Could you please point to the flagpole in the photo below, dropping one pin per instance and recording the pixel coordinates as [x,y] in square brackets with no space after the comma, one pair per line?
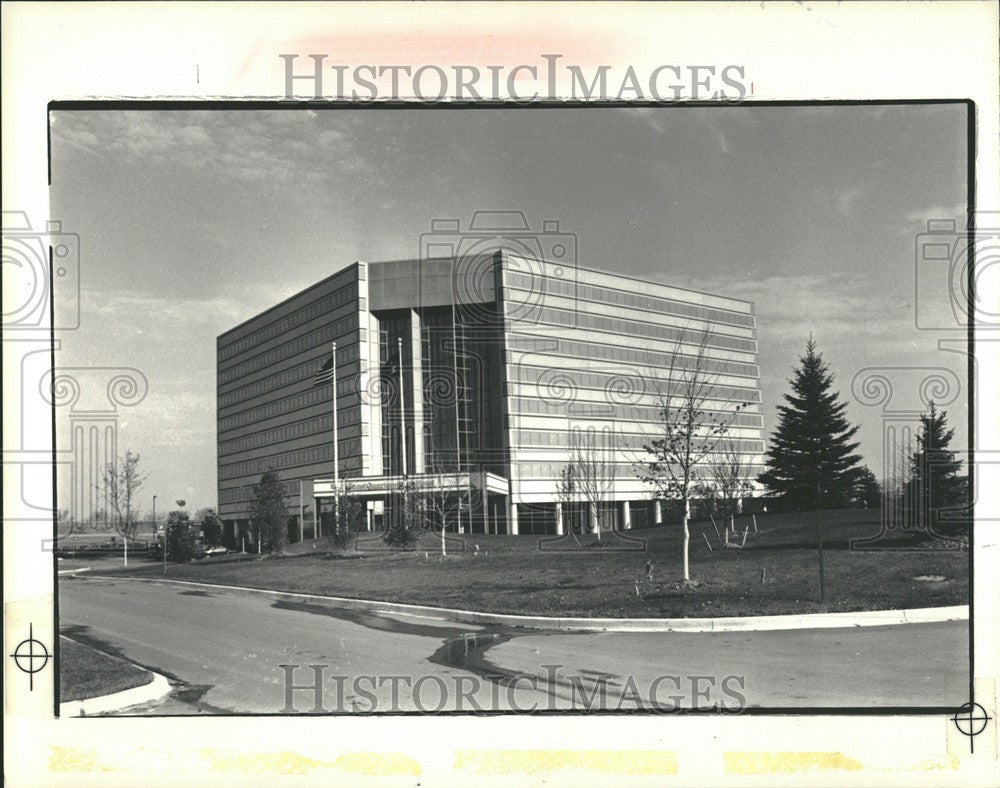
[402,404]
[402,430]
[336,448]
[458,426]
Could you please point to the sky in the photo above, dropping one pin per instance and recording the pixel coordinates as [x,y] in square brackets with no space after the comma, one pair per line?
[192,221]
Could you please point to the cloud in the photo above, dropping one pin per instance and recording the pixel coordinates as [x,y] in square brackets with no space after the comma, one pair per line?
[151,310]
[162,319]
[957,212]
[654,117]
[846,198]
[712,122]
[836,306]
[279,146]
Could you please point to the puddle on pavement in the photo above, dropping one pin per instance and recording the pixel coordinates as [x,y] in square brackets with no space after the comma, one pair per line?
[373,620]
[195,593]
[468,652]
[610,679]
[460,648]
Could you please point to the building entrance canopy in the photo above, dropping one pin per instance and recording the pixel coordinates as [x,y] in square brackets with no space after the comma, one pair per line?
[383,486]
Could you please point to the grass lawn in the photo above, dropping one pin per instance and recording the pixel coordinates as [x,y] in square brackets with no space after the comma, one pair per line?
[776,572]
[87,673]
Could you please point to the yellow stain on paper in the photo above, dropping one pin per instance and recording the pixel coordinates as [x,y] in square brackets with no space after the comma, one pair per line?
[259,762]
[371,764]
[74,759]
[501,762]
[936,762]
[504,762]
[787,762]
[376,764]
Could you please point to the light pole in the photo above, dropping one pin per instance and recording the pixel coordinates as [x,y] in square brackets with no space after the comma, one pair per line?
[165,525]
[458,420]
[336,446]
[402,428]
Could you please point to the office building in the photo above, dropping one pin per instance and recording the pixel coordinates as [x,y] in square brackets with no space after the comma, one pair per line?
[483,374]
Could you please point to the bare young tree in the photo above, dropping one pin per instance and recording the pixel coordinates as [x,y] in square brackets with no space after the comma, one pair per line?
[406,514]
[444,501]
[566,492]
[593,469]
[122,481]
[352,513]
[690,428]
[731,476]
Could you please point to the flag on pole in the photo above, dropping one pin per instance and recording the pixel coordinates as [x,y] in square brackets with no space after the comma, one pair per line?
[325,375]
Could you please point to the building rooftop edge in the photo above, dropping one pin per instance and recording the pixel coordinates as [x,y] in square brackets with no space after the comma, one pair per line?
[584,268]
[284,301]
[338,272]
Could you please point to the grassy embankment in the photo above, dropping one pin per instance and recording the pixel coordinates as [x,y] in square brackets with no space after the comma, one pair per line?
[776,572]
[87,673]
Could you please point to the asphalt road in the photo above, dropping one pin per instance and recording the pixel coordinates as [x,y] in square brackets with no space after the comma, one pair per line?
[223,652]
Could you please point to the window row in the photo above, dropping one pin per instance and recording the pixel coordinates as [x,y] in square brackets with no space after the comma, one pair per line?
[599,441]
[631,328]
[615,470]
[301,373]
[561,385]
[652,358]
[321,306]
[539,285]
[279,407]
[344,328]
[287,432]
[547,407]
[291,459]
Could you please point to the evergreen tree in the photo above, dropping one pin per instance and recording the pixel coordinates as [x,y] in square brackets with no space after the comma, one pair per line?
[269,513]
[812,443]
[211,527]
[935,483]
[868,491]
[181,539]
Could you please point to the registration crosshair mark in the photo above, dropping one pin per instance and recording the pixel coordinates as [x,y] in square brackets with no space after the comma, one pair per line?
[21,656]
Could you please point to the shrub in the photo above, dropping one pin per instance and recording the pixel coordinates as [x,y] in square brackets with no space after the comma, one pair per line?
[269,513]
[182,543]
[400,536]
[211,528]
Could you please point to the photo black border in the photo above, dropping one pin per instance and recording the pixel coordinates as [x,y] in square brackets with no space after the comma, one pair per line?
[251,105]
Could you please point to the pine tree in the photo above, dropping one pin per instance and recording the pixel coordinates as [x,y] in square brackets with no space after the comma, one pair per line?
[181,540]
[935,483]
[868,491]
[812,443]
[211,527]
[269,513]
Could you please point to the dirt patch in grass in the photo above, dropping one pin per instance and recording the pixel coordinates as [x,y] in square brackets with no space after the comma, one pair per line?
[85,672]
[775,573]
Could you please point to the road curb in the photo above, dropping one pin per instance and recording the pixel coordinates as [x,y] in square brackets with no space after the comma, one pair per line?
[156,689]
[874,618]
